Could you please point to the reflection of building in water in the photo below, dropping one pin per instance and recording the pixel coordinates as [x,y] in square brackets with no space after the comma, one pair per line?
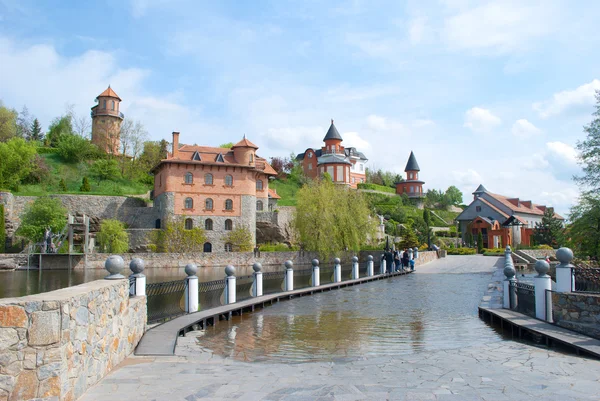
[417,330]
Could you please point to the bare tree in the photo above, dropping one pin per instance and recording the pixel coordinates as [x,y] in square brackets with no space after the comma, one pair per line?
[132,137]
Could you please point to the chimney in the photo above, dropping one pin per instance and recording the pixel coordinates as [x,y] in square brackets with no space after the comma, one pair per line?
[175,151]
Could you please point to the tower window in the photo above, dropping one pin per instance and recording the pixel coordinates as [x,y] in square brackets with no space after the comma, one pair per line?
[228,204]
[208,225]
[228,225]
[189,224]
[189,203]
[104,104]
[208,204]
[113,105]
[259,206]
[251,158]
[259,185]
[189,178]
[228,247]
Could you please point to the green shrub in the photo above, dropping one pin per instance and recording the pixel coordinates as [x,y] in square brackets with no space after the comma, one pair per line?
[62,185]
[376,187]
[85,185]
[274,248]
[73,148]
[462,251]
[240,239]
[45,151]
[2,229]
[43,212]
[112,237]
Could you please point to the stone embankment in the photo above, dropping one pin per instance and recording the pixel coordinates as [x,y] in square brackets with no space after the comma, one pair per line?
[56,345]
[578,312]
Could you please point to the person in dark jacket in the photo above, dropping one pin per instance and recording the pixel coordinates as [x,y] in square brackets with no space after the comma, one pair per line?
[389,261]
[405,259]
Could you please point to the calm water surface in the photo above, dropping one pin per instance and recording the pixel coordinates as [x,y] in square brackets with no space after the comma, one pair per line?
[404,315]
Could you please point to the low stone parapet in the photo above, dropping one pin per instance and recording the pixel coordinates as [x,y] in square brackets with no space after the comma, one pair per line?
[578,312]
[59,343]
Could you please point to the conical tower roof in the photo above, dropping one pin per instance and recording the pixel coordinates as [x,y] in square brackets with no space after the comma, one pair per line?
[480,189]
[110,93]
[244,143]
[332,133]
[412,164]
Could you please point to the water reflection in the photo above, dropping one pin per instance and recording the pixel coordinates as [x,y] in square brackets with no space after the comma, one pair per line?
[388,317]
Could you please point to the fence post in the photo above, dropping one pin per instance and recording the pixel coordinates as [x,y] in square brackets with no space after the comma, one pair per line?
[541,282]
[114,264]
[316,278]
[289,275]
[509,272]
[337,270]
[354,268]
[258,280]
[229,285]
[382,265]
[138,287]
[370,266]
[565,281]
[191,289]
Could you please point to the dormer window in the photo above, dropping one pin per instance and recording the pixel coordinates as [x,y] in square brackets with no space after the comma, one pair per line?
[196,156]
[220,158]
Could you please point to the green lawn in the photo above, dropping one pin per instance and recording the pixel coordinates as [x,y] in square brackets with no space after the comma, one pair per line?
[73,175]
[287,190]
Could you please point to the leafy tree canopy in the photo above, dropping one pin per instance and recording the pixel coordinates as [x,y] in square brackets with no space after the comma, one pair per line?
[42,213]
[550,231]
[60,126]
[584,231]
[112,237]
[105,169]
[17,162]
[589,152]
[175,238]
[240,238]
[8,123]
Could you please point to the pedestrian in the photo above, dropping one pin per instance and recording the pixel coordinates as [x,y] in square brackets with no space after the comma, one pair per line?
[389,261]
[405,259]
[397,261]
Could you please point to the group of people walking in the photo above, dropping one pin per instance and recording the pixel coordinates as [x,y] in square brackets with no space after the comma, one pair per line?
[397,260]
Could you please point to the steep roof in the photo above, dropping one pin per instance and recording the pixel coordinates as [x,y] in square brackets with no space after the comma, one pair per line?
[493,207]
[535,209]
[273,194]
[480,189]
[332,133]
[244,143]
[412,164]
[110,93]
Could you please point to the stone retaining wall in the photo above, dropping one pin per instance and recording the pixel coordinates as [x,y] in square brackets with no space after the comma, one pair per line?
[539,253]
[57,344]
[578,312]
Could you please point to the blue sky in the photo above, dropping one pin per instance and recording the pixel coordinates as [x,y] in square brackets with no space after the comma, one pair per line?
[492,92]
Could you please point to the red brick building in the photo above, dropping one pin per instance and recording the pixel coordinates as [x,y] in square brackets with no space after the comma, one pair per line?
[411,186]
[106,121]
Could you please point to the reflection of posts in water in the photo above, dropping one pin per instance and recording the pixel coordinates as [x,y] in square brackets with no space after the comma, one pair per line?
[191,288]
[259,325]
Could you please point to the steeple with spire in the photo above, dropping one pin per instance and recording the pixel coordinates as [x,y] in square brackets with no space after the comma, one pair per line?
[412,186]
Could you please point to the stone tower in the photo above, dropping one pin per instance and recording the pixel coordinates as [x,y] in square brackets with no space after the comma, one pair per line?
[106,121]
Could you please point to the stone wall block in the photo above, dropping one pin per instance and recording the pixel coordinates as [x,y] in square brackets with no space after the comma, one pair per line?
[82,316]
[8,338]
[50,388]
[45,328]
[50,305]
[7,383]
[33,306]
[26,386]
[13,316]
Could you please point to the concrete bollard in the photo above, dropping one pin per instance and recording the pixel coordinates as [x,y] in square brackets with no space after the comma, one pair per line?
[337,270]
[316,275]
[114,265]
[565,281]
[355,268]
[257,288]
[509,272]
[542,282]
[138,287]
[191,289]
[370,266]
[230,285]
[416,252]
[382,266]
[289,275]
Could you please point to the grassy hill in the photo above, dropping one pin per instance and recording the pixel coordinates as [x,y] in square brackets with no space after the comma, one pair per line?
[73,174]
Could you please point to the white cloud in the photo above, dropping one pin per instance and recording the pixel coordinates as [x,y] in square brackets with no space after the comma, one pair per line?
[481,120]
[524,129]
[564,100]
[376,123]
[535,162]
[467,178]
[297,139]
[499,27]
[354,139]
[420,123]
[563,151]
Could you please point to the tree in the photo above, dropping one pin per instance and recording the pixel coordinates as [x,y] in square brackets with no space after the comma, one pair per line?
[469,240]
[60,126]
[42,213]
[17,158]
[62,185]
[330,218]
[74,149]
[105,169]
[85,185]
[36,133]
[8,123]
[549,231]
[584,231]
[240,238]
[409,237]
[479,242]
[282,165]
[82,125]
[427,220]
[589,151]
[453,196]
[112,237]
[132,138]
[176,238]
[24,124]
[227,145]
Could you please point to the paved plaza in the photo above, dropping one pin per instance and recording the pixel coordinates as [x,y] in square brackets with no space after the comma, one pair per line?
[502,370]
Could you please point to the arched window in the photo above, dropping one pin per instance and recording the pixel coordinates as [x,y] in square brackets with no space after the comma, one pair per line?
[228,247]
[113,105]
[251,157]
[228,181]
[208,225]
[228,225]
[412,189]
[207,247]
[208,204]
[259,206]
[189,203]
[208,179]
[189,224]
[228,204]
[259,185]
[189,178]
[104,104]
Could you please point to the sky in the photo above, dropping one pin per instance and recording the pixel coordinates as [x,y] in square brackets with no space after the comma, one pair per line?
[484,92]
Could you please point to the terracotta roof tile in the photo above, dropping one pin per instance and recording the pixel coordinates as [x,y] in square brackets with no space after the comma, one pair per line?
[273,194]
[109,92]
[535,209]
[244,143]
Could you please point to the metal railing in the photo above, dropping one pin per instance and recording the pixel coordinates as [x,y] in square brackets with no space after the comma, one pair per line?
[210,293]
[165,300]
[273,282]
[525,298]
[326,275]
[587,279]
[302,278]
[243,287]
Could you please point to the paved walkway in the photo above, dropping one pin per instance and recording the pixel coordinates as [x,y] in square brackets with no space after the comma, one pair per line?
[502,370]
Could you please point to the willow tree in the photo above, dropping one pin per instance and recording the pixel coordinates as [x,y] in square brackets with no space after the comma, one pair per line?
[331,218]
